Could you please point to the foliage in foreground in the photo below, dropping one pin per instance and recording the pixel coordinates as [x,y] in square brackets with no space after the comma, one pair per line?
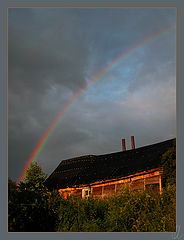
[29,208]
[125,212]
[169,166]
[32,208]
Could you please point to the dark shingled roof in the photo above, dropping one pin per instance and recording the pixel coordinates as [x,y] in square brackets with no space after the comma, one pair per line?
[92,168]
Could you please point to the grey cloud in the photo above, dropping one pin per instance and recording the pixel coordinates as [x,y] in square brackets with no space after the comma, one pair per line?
[53,52]
[92,128]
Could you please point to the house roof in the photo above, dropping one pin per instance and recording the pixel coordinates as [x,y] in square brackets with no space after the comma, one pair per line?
[92,168]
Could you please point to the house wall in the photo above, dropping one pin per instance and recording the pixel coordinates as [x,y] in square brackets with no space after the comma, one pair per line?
[140,181]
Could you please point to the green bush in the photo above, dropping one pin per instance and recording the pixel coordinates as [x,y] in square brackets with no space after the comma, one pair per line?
[76,214]
[29,204]
[32,208]
[169,166]
[126,212]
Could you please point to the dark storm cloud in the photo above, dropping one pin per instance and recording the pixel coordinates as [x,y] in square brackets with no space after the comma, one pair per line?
[42,56]
[54,52]
[44,53]
[122,32]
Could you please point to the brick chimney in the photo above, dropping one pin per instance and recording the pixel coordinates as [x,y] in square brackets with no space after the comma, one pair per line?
[133,142]
[123,145]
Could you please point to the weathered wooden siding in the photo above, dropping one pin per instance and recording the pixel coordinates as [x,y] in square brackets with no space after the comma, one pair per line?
[78,193]
[145,180]
[137,185]
[109,190]
[97,192]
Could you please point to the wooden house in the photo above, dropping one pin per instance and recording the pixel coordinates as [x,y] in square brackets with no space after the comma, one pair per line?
[104,175]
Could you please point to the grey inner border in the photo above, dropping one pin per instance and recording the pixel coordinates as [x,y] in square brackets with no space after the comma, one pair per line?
[3,119]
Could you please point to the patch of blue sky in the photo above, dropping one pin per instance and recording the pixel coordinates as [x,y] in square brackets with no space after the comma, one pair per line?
[112,86]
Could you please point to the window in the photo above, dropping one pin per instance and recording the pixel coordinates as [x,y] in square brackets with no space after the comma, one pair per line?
[86,192]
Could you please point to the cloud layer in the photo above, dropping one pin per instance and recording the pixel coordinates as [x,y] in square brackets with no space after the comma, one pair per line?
[53,53]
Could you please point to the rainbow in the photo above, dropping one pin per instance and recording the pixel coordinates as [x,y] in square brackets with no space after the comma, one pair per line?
[44,139]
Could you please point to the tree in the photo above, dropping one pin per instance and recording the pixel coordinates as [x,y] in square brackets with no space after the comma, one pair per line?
[35,175]
[169,166]
[12,186]
[29,205]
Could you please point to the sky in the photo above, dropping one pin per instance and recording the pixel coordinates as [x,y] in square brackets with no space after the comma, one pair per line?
[54,52]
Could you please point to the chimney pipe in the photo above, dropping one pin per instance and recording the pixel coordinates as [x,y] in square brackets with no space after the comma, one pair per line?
[123,145]
[133,142]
